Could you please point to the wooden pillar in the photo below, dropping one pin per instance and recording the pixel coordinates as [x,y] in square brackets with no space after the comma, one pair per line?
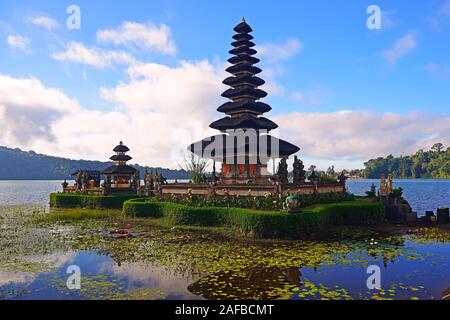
[247,166]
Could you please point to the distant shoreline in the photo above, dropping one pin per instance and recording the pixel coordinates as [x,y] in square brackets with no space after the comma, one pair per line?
[350,179]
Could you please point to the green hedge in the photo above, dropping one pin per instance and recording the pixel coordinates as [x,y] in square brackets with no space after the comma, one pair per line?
[70,200]
[262,224]
[269,202]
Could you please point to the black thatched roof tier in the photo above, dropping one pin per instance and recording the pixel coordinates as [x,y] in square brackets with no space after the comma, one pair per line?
[243,27]
[243,43]
[243,59]
[125,170]
[223,147]
[244,92]
[243,50]
[243,80]
[121,157]
[244,111]
[243,68]
[243,36]
[121,148]
[257,107]
[244,121]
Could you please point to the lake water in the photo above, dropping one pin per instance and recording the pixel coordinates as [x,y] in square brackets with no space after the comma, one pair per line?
[409,271]
[422,194]
[156,265]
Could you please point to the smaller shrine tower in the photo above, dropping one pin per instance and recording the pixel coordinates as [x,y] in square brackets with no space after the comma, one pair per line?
[120,177]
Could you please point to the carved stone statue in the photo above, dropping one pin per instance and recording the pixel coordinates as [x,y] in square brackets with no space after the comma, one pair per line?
[64,185]
[162,180]
[97,181]
[136,181]
[389,184]
[314,177]
[292,204]
[299,172]
[106,185]
[383,185]
[342,177]
[85,181]
[148,183]
[79,180]
[282,173]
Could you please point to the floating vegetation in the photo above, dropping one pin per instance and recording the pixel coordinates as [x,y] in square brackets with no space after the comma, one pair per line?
[217,266]
[103,287]
[424,235]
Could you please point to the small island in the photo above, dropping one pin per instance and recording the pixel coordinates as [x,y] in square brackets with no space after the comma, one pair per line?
[243,197]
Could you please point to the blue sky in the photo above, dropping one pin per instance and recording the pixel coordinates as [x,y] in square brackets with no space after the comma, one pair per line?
[319,56]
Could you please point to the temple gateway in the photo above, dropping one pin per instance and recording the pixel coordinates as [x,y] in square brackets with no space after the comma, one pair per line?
[243,147]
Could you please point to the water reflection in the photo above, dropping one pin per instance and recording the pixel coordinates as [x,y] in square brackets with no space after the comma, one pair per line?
[417,270]
[102,278]
[258,283]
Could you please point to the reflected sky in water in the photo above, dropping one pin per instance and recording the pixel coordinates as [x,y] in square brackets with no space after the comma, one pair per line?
[97,271]
[424,274]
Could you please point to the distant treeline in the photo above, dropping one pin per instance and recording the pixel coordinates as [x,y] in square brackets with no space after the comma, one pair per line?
[434,163]
[16,164]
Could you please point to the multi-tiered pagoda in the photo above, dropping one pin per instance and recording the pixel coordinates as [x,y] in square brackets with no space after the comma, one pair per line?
[120,177]
[244,146]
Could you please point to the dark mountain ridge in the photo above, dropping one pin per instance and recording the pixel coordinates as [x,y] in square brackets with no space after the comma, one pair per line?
[16,164]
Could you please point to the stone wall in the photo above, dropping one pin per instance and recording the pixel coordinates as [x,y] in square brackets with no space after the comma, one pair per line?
[255,190]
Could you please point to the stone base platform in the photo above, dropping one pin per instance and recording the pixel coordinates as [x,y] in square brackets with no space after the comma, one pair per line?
[253,189]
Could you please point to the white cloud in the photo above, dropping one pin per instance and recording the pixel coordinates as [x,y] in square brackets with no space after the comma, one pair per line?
[277,52]
[388,18]
[19,42]
[160,110]
[309,98]
[438,71]
[44,21]
[440,18]
[400,48]
[167,108]
[146,36]
[28,110]
[273,55]
[98,58]
[360,135]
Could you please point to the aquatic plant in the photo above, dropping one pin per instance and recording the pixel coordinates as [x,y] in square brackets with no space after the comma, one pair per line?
[227,266]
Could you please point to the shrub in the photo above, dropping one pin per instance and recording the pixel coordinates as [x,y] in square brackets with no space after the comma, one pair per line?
[70,200]
[261,224]
[268,202]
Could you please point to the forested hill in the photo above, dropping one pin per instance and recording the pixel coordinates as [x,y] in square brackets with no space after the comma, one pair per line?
[434,163]
[16,164]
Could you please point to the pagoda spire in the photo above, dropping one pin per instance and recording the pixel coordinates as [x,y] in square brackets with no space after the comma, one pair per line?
[241,154]
[121,158]
[244,109]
